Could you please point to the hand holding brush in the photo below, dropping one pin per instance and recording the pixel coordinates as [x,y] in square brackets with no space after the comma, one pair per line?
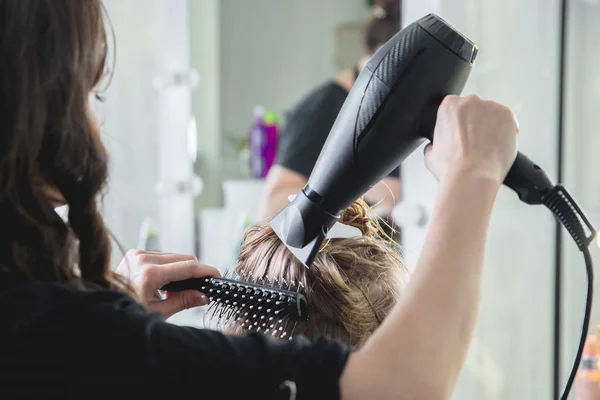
[150,271]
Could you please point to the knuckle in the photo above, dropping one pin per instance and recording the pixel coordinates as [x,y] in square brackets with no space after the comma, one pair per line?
[148,275]
[191,265]
[472,99]
[186,302]
[515,121]
[185,257]
[212,271]
[446,107]
[190,259]
[143,259]
[449,101]
[507,113]
[139,257]
[188,268]
[133,253]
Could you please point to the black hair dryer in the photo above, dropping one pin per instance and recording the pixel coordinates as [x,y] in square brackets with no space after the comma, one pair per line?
[391,108]
[389,112]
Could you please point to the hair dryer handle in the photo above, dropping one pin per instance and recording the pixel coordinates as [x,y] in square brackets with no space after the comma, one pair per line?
[528,180]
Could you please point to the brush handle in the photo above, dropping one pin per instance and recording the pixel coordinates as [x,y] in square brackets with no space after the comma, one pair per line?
[200,284]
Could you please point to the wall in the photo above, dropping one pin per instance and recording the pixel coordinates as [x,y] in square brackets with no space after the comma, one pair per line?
[205,31]
[130,136]
[260,52]
[145,123]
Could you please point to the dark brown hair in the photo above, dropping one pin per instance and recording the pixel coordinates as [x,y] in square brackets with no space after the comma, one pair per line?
[53,54]
[383,24]
[351,286]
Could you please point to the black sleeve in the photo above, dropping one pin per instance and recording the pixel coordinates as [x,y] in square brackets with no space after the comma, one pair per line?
[195,363]
[307,128]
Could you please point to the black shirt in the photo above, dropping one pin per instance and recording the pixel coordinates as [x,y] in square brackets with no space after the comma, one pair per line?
[59,341]
[308,126]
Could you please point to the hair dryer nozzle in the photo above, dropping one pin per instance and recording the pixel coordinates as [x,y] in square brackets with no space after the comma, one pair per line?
[303,225]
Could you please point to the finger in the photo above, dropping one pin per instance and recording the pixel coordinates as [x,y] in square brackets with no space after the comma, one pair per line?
[446,108]
[180,301]
[155,252]
[472,98]
[427,149]
[516,121]
[159,275]
[447,103]
[153,258]
[168,258]
[429,164]
[427,154]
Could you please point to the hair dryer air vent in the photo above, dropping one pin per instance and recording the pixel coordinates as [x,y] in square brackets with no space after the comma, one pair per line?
[450,37]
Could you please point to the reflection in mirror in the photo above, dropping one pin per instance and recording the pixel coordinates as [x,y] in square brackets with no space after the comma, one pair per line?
[280,80]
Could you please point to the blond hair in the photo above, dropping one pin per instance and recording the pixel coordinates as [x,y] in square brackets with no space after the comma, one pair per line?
[351,286]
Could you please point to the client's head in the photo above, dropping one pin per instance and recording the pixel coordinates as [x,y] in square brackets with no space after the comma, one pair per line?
[383,24]
[351,286]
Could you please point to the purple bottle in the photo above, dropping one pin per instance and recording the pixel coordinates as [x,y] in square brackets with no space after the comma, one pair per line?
[263,142]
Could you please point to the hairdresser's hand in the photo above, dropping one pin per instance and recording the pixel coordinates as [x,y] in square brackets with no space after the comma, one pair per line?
[150,271]
[472,136]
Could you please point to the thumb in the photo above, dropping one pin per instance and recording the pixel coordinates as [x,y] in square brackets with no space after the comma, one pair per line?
[179,301]
[429,161]
[428,148]
[427,154]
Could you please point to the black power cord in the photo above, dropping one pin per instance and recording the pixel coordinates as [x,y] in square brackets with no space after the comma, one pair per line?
[571,216]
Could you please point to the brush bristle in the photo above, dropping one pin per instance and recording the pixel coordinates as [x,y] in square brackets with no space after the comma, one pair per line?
[270,307]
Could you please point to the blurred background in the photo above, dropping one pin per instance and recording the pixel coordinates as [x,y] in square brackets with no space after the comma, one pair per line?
[190,77]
